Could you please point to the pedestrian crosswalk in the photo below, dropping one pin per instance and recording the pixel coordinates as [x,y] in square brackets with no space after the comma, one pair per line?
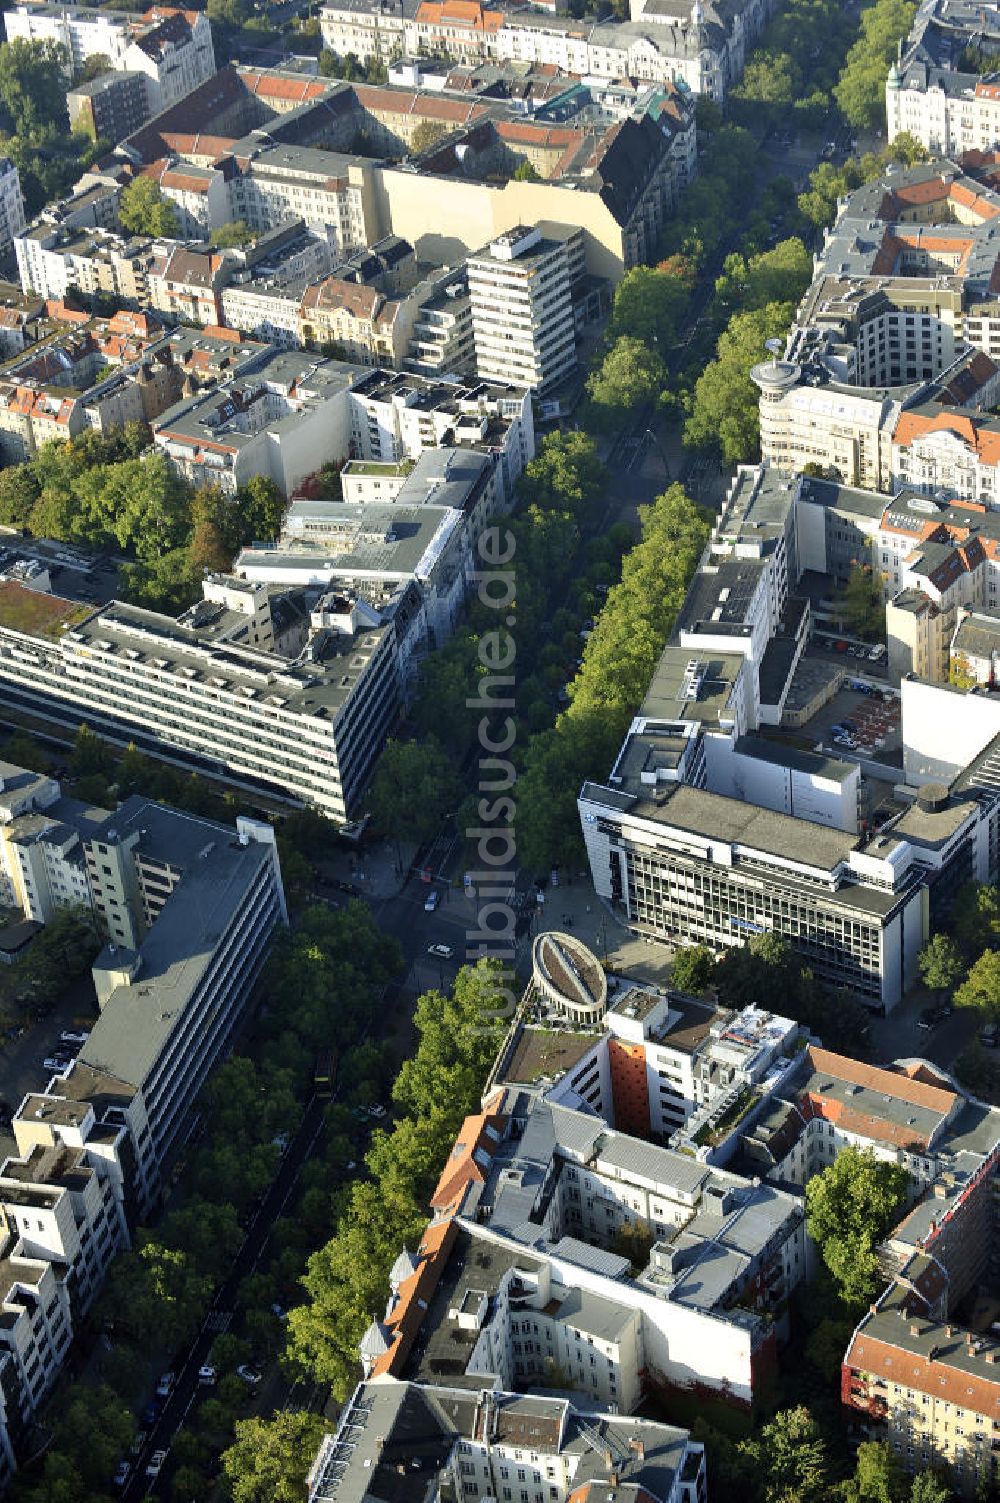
[219,1320]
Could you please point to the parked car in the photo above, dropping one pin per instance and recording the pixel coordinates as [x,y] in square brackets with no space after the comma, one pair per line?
[206,1377]
[74,1038]
[155,1465]
[250,1378]
[442,952]
[123,1472]
[278,1311]
[932,1016]
[431,901]
[139,1440]
[378,1112]
[151,1413]
[165,1387]
[989,1035]
[281,1140]
[57,1062]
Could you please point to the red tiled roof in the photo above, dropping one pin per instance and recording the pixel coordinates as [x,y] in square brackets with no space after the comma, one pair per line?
[888,1082]
[980,435]
[479,1134]
[937,1378]
[271,86]
[414,1295]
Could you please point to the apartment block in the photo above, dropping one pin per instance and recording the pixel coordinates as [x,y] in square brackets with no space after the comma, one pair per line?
[188,908]
[698,867]
[913,1375]
[942,88]
[12,219]
[396,416]
[670,1067]
[101,374]
[644,1267]
[170,49]
[478,1442]
[289,146]
[522,314]
[897,333]
[333,193]
[109,107]
[403,539]
[702,44]
[442,339]
[42,835]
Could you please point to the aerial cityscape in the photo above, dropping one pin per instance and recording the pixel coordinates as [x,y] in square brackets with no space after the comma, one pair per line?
[500,751]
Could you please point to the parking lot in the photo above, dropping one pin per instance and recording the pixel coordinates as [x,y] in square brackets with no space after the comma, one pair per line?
[871,726]
[22,1058]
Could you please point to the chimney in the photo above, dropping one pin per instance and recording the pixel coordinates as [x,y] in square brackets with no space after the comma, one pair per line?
[949,1330]
[914,1330]
[638,1446]
[613,1479]
[991,1357]
[608,1458]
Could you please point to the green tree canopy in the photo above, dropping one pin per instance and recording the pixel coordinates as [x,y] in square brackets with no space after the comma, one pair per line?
[144,210]
[414,787]
[630,373]
[941,965]
[790,1458]
[566,474]
[693,968]
[232,236]
[780,275]
[33,86]
[426,135]
[975,918]
[981,988]
[850,1206]
[618,661]
[649,305]
[268,1461]
[862,602]
[860,90]
[878,1475]
[724,410]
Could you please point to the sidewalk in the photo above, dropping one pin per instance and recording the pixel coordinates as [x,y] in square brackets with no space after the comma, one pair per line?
[575,909]
[373,869]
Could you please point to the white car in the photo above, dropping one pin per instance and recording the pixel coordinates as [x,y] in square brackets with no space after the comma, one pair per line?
[155,1465]
[442,952]
[165,1387]
[74,1038]
[56,1062]
[250,1378]
[206,1377]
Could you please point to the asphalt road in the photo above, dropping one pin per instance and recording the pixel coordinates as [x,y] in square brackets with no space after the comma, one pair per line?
[186,1390]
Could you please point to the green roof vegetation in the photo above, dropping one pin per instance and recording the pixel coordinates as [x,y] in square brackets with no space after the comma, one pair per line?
[714,1132]
[36,614]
